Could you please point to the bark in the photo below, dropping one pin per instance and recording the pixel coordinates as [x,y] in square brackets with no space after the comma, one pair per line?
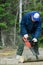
[15,28]
[33,59]
[2,38]
[25,3]
[20,12]
[41,4]
[34,4]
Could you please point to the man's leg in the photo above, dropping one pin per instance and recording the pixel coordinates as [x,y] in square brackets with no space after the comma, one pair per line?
[35,45]
[20,49]
[36,49]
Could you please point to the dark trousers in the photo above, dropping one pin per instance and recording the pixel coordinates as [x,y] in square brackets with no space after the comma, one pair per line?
[20,47]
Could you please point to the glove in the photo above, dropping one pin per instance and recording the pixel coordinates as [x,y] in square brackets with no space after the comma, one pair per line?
[34,40]
[26,36]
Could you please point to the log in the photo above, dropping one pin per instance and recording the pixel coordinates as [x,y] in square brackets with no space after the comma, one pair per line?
[33,59]
[29,57]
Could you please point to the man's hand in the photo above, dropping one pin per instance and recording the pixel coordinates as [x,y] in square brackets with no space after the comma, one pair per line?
[25,39]
[34,40]
[26,36]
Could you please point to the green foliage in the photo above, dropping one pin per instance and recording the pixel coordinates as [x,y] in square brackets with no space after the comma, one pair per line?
[8,10]
[7,13]
[3,25]
[42,25]
[41,41]
[38,6]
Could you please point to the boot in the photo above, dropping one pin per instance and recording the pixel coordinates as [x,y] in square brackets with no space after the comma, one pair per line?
[20,59]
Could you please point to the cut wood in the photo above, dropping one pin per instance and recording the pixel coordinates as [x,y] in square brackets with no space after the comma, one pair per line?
[33,59]
[29,57]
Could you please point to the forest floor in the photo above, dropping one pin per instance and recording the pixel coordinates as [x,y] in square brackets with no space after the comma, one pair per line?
[7,57]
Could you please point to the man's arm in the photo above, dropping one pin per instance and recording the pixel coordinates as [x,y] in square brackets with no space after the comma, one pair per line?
[23,30]
[24,33]
[38,30]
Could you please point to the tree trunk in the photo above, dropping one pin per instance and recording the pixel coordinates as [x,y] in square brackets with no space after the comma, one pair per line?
[34,4]
[25,3]
[20,12]
[2,37]
[15,28]
[33,59]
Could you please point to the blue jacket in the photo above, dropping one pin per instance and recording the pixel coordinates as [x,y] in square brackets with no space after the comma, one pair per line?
[29,27]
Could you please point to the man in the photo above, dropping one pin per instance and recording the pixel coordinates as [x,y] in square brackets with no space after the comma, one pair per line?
[30,25]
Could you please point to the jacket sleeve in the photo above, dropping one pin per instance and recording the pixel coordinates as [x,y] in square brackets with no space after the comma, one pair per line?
[23,30]
[38,30]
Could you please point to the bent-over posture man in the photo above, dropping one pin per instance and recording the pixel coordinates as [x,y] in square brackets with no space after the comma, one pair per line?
[30,25]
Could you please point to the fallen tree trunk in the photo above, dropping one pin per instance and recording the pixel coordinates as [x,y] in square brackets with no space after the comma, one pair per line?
[29,57]
[34,59]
